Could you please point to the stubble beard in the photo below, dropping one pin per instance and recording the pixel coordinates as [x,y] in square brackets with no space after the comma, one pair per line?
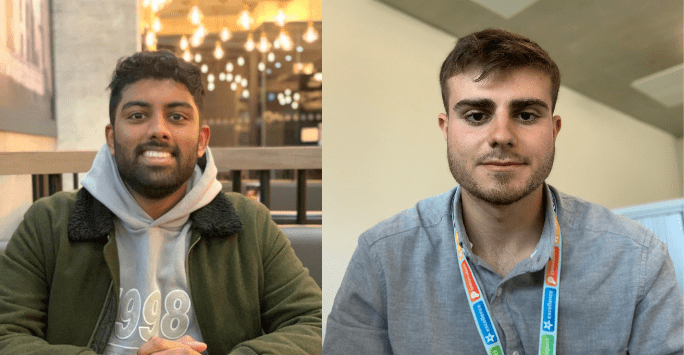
[150,181]
[500,193]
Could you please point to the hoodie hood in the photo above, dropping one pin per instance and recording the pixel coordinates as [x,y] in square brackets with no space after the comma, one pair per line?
[104,183]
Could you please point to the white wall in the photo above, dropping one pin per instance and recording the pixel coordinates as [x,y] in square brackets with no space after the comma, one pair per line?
[384,151]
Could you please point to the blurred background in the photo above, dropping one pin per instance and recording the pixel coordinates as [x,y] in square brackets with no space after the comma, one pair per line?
[620,101]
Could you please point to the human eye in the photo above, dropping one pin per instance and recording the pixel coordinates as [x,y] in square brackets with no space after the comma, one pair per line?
[136,116]
[176,116]
[527,116]
[475,117]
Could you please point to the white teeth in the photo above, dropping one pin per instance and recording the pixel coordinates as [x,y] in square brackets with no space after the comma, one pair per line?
[154,154]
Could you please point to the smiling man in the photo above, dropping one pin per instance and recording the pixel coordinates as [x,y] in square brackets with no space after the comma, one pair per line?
[150,257]
[504,263]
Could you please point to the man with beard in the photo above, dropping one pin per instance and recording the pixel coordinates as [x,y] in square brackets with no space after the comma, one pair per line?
[504,263]
[149,257]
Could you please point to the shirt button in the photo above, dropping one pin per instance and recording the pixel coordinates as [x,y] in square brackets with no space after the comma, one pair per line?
[498,294]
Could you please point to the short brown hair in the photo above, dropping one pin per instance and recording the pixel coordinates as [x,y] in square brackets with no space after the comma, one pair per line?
[497,51]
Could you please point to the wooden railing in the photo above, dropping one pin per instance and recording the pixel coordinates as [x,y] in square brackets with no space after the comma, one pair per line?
[46,168]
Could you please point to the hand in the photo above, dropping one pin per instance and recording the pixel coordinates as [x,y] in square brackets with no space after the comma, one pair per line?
[185,345]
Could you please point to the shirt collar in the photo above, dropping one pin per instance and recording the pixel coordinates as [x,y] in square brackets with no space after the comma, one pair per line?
[544,249]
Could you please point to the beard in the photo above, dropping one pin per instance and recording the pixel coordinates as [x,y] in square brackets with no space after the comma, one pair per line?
[500,192]
[154,182]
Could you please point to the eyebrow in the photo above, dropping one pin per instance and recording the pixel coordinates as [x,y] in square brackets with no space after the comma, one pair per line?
[519,104]
[488,104]
[475,103]
[145,104]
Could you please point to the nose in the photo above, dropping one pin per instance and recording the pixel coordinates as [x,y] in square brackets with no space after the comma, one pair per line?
[502,131]
[158,127]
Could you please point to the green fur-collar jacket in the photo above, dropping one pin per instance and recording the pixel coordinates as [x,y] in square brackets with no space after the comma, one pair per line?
[59,278]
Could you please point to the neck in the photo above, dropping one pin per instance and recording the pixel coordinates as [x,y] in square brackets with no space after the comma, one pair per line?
[502,235]
[157,207]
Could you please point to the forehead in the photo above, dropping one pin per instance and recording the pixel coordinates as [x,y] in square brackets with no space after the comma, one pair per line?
[500,86]
[156,92]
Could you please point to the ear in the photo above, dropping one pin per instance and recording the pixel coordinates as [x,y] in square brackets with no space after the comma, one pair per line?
[203,140]
[109,136]
[556,125]
[443,124]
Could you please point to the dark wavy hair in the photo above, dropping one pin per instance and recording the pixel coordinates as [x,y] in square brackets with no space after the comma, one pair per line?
[495,51]
[156,65]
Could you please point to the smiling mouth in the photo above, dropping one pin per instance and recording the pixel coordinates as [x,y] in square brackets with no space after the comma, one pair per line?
[156,154]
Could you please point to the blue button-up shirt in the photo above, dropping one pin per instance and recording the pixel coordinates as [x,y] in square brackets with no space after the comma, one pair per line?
[402,292]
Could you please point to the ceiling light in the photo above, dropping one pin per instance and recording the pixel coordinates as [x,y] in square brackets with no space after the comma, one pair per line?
[184,43]
[198,58]
[222,76]
[270,57]
[225,34]
[157,25]
[261,66]
[229,66]
[311,34]
[151,41]
[245,94]
[244,20]
[211,86]
[241,61]
[233,86]
[218,51]
[285,40]
[195,15]
[204,68]
[187,56]
[249,45]
[281,18]
[264,44]
[211,78]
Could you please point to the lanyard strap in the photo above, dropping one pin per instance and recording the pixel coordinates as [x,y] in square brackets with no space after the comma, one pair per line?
[548,329]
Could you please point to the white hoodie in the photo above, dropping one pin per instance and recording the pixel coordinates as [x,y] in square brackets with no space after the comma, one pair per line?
[154,298]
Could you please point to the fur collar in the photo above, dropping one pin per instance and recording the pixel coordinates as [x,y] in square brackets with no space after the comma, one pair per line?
[91,221]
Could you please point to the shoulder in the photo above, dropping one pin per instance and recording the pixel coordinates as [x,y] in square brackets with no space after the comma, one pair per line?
[592,219]
[420,224]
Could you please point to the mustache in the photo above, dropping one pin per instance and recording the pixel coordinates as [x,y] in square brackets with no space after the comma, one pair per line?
[151,145]
[501,155]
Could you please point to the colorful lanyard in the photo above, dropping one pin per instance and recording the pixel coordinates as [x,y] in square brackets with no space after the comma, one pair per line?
[478,307]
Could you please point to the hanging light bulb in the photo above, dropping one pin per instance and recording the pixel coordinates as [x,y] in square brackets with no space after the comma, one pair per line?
[184,43]
[195,40]
[276,43]
[218,51]
[281,18]
[187,56]
[198,36]
[311,34]
[264,44]
[285,40]
[201,31]
[241,61]
[225,34]
[245,21]
[157,25]
[198,58]
[195,15]
[151,41]
[249,45]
